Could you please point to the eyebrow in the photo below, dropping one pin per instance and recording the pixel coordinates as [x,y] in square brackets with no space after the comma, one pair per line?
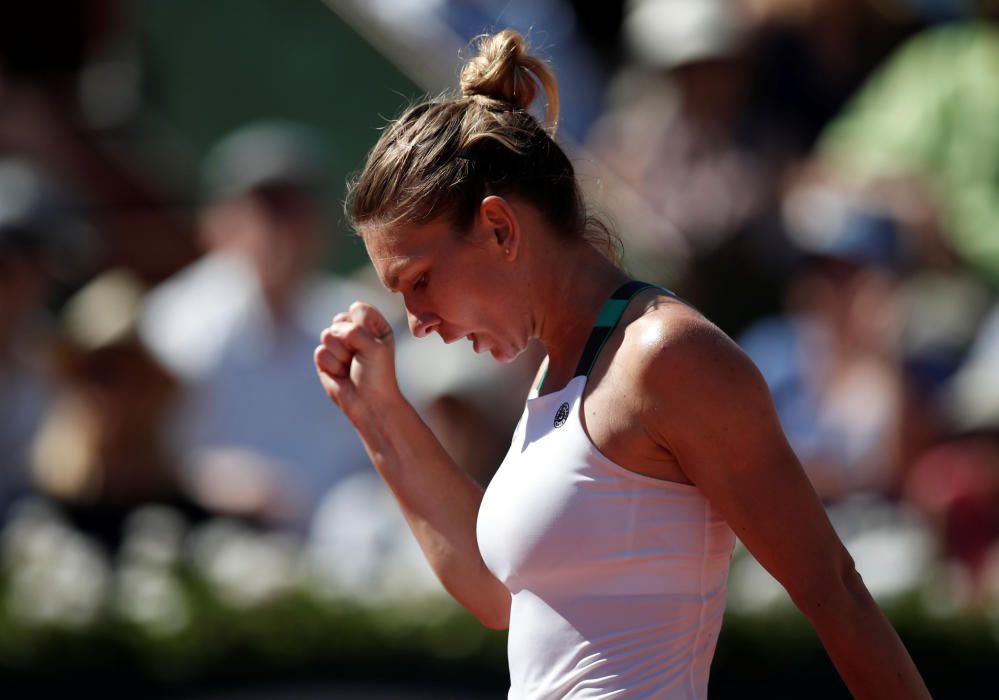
[393,274]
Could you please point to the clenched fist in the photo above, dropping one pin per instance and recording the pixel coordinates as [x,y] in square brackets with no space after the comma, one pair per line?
[356,362]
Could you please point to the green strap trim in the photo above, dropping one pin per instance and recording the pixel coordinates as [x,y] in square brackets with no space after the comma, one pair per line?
[542,381]
[603,332]
[611,312]
[607,320]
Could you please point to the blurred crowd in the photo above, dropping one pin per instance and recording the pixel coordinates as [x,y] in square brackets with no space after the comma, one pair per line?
[819,177]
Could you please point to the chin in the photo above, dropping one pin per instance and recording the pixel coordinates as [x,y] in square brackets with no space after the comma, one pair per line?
[500,357]
[505,357]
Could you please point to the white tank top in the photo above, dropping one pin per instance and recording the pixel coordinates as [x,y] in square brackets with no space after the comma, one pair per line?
[617,579]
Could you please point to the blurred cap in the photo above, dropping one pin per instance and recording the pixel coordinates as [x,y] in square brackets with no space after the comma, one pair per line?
[867,238]
[824,221]
[266,153]
[669,33]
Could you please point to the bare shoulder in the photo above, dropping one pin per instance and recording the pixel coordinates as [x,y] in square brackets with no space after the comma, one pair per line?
[689,372]
[673,343]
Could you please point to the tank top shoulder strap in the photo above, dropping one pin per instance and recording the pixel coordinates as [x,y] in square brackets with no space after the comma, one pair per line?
[607,321]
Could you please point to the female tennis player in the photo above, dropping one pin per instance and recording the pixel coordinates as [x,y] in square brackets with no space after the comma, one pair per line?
[648,443]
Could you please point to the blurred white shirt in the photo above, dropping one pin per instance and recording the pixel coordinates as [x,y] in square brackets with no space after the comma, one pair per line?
[255,427]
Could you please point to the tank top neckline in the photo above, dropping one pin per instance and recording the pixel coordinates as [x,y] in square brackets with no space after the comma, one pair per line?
[606,323]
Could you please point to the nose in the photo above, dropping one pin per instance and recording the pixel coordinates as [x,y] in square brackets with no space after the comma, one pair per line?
[421,324]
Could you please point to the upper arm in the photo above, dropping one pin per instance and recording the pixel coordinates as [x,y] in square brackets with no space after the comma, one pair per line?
[712,409]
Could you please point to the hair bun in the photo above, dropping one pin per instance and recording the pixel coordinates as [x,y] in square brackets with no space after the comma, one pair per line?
[504,71]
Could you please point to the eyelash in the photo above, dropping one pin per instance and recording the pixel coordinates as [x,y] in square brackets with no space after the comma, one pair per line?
[420,282]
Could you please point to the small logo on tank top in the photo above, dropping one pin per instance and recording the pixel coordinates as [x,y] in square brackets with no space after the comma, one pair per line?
[562,415]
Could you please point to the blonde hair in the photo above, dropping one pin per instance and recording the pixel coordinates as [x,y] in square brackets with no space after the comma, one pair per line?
[444,155]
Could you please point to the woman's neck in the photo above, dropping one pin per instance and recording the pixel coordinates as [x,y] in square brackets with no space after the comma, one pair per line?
[577,283]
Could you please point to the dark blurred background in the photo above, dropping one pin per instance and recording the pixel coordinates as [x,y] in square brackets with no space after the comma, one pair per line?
[184,513]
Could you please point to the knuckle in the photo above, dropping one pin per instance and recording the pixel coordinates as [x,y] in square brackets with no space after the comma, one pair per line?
[364,313]
[339,329]
[353,333]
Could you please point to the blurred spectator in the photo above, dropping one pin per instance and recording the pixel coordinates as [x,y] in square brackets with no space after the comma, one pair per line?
[41,235]
[100,450]
[920,138]
[956,485]
[905,176]
[256,435]
[833,362]
[681,133]
[71,104]
[810,56]
[676,133]
[956,482]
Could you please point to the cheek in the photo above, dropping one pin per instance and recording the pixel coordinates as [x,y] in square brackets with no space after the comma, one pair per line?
[483,279]
[469,289]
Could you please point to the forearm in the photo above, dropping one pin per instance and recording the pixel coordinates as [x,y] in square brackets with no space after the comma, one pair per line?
[864,647]
[440,502]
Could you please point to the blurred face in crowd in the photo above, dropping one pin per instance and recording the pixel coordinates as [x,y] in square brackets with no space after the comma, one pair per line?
[276,229]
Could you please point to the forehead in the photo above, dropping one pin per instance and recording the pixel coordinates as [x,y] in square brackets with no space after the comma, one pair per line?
[392,249]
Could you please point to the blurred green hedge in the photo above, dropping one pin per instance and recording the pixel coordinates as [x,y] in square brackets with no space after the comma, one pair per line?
[301,636]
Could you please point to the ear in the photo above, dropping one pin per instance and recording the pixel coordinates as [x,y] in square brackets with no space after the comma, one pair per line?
[500,226]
